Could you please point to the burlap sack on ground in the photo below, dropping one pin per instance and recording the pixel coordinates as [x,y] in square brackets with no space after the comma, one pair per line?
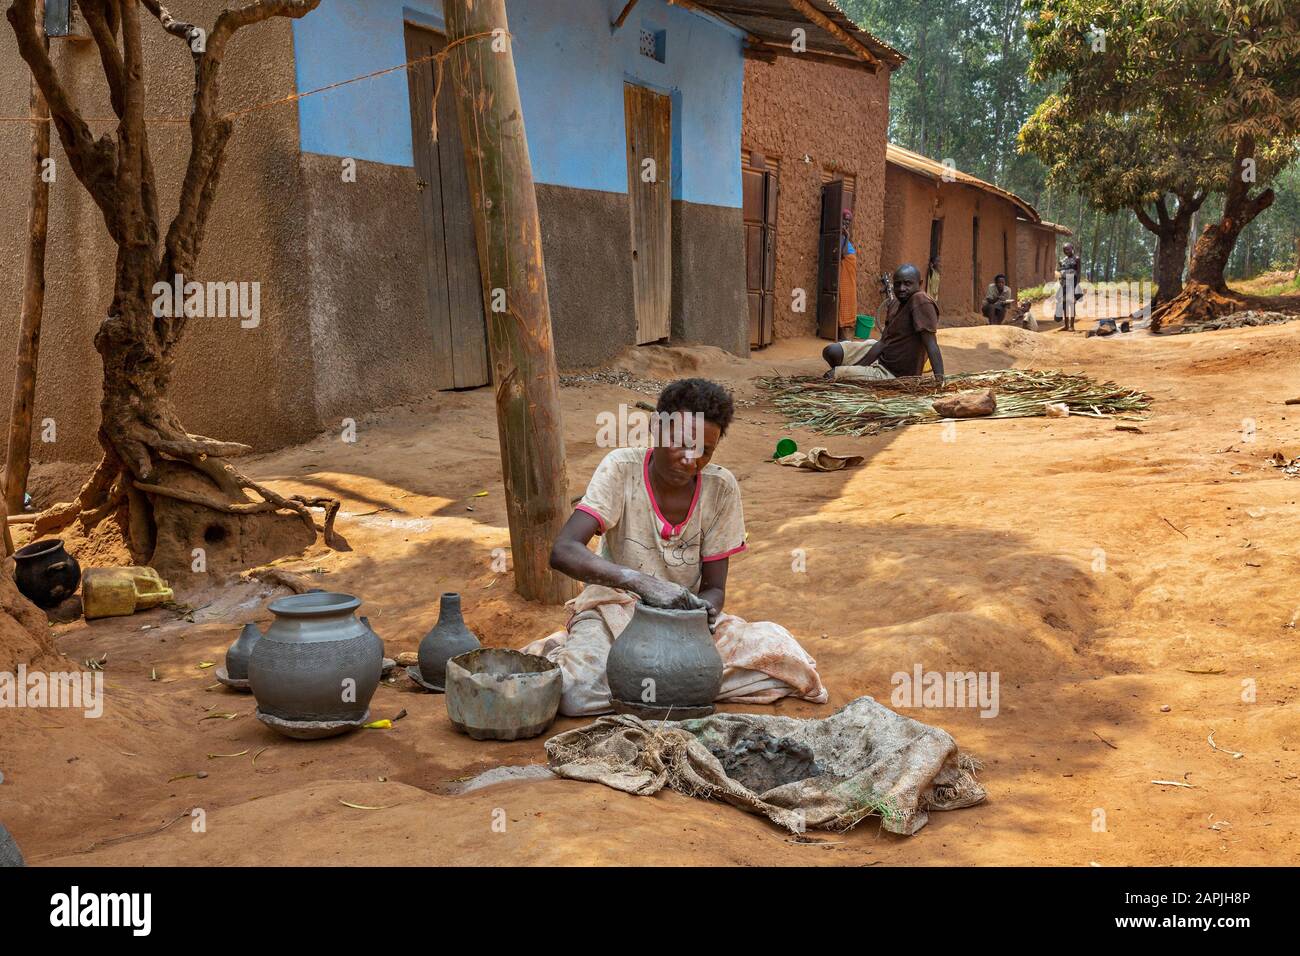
[869,761]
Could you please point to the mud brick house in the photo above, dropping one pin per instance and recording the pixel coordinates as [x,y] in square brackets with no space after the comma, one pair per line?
[971,224]
[354,222]
[1037,252]
[814,136]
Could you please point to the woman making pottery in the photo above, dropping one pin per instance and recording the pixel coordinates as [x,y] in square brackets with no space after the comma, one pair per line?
[669,523]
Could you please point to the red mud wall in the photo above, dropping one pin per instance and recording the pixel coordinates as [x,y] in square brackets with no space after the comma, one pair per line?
[912,201]
[835,117]
[909,206]
[1036,258]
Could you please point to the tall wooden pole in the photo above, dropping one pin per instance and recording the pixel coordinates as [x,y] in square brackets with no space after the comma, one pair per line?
[18,450]
[6,541]
[481,70]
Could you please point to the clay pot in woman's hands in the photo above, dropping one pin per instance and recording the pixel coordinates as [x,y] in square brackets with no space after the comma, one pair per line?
[45,573]
[444,641]
[664,665]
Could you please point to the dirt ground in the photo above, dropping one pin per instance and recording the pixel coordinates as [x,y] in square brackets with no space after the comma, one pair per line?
[1105,575]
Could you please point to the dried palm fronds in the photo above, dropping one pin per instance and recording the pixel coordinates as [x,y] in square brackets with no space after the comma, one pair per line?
[865,408]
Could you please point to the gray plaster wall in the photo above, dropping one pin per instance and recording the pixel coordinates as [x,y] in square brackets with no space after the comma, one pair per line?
[708,302]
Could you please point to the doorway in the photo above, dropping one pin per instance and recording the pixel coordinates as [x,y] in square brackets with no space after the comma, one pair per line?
[759,181]
[836,198]
[455,286]
[648,121]
[975,260]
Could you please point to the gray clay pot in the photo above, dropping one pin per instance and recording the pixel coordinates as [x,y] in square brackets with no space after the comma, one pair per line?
[675,650]
[499,694]
[10,855]
[238,653]
[379,641]
[300,668]
[444,641]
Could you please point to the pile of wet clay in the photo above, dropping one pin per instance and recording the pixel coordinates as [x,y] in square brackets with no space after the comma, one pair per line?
[760,762]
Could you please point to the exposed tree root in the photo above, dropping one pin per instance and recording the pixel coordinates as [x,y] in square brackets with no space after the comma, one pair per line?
[1196,303]
[297,583]
[111,486]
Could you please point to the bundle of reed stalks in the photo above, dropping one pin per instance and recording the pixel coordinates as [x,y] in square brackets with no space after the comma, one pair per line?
[865,408]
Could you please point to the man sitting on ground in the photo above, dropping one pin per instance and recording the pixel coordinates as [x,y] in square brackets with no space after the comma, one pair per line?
[908,339]
[996,300]
[669,523]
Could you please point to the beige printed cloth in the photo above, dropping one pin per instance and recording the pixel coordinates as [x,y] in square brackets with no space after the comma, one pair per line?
[819,459]
[855,350]
[635,533]
[762,662]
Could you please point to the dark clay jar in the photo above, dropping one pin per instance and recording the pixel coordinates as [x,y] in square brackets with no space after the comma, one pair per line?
[45,573]
[448,638]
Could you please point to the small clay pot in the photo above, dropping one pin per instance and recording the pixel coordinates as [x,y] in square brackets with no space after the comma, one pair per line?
[664,665]
[45,573]
[10,855]
[498,694]
[316,667]
[444,641]
[238,653]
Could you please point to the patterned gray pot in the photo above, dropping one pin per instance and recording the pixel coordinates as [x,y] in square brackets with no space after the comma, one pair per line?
[10,855]
[316,665]
[664,665]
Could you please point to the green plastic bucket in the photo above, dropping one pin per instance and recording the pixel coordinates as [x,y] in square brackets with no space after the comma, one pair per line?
[864,326]
[785,446]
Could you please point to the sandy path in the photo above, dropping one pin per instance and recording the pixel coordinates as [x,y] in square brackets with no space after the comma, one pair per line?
[980,554]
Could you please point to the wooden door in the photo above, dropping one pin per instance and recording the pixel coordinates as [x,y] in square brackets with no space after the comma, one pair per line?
[828,260]
[975,262]
[455,288]
[648,119]
[759,200]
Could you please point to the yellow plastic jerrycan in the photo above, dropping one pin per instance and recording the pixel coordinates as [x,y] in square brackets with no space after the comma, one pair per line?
[117,592]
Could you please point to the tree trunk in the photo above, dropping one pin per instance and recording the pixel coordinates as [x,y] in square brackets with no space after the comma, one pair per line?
[18,451]
[1172,233]
[1206,294]
[1171,250]
[1215,245]
[148,455]
[6,542]
[509,242]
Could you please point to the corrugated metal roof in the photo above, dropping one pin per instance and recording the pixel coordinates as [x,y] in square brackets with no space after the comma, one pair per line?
[768,24]
[932,169]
